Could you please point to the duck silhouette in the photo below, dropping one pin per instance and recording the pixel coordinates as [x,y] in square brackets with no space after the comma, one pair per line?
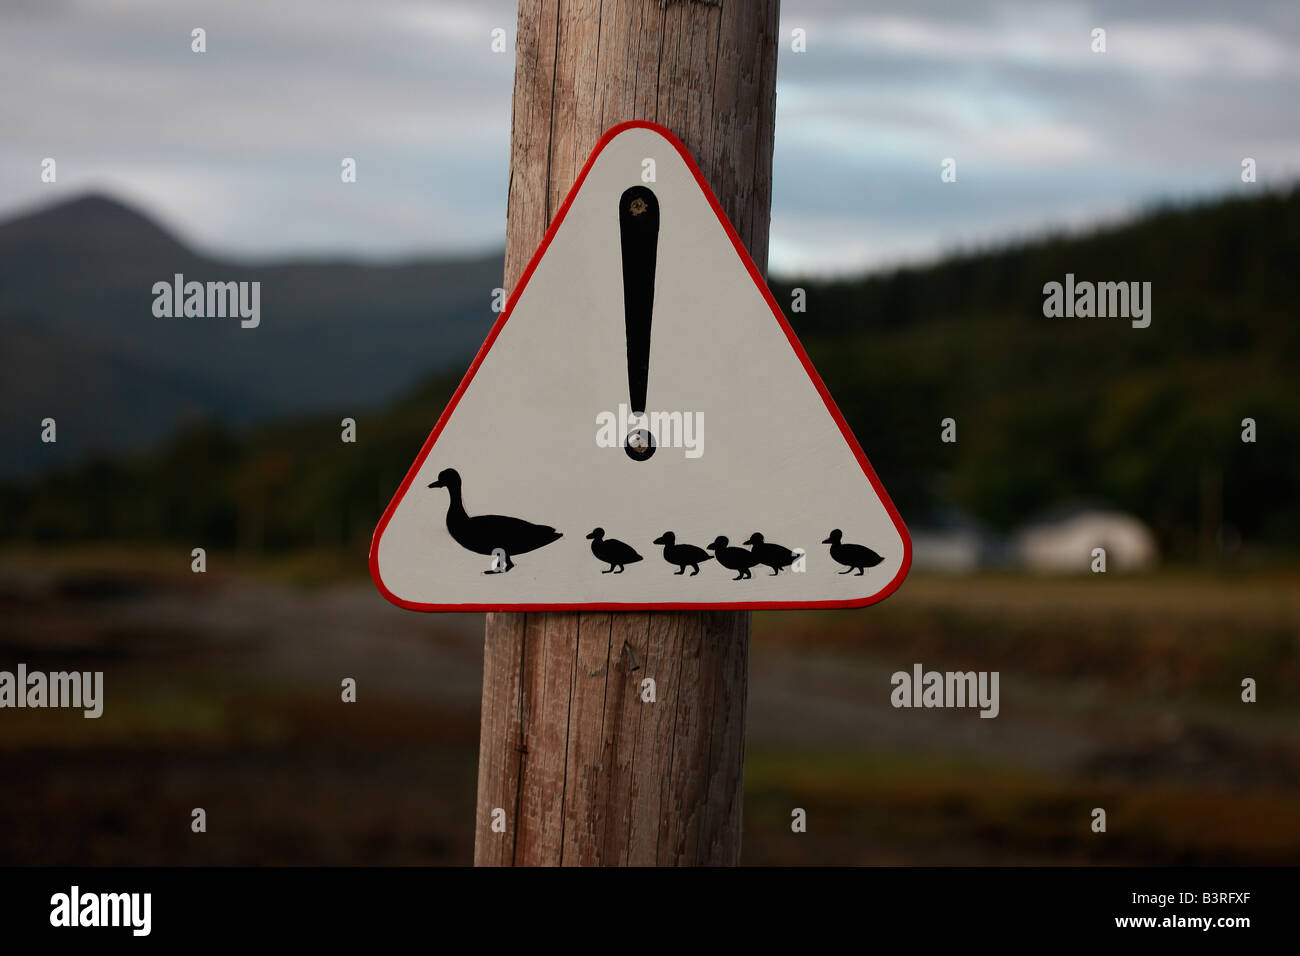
[613,552]
[737,559]
[851,555]
[773,556]
[682,554]
[489,534]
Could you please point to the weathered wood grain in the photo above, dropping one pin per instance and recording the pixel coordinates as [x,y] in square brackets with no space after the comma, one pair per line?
[586,771]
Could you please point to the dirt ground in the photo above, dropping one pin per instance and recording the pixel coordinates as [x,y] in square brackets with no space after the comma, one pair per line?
[223,693]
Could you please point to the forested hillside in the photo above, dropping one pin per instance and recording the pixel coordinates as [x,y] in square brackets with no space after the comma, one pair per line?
[1048,410]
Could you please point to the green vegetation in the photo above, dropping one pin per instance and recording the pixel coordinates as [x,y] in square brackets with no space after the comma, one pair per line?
[292,485]
[1051,410]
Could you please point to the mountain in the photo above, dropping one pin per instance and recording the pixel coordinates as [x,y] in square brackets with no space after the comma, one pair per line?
[80,342]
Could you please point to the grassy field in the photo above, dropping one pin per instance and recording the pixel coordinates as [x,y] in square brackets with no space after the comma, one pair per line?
[1116,692]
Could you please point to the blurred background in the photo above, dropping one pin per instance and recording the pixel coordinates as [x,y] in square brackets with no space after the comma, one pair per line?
[1120,690]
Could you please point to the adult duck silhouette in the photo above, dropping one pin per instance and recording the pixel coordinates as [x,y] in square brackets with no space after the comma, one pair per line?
[737,559]
[770,555]
[612,551]
[852,556]
[490,534]
[682,554]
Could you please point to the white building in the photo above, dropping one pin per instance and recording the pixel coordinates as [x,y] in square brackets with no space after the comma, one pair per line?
[1064,544]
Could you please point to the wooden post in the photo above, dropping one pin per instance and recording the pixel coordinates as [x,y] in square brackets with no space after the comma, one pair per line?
[586,770]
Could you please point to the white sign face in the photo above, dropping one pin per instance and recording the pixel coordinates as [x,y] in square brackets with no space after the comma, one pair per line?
[740,486]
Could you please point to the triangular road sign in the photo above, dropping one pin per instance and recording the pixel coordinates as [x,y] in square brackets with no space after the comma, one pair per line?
[641,298]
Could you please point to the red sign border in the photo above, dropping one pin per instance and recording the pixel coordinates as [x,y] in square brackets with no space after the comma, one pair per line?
[794,344]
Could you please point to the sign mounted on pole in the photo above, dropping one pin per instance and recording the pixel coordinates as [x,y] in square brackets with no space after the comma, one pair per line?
[641,430]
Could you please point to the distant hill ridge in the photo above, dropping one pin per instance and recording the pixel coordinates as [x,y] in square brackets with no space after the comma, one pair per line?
[89,224]
[80,343]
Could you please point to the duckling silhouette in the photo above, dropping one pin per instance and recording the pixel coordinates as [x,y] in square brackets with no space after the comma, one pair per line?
[772,555]
[682,554]
[737,559]
[613,552]
[487,534]
[851,555]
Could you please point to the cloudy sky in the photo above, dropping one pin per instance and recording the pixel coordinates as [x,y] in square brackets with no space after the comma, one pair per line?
[238,150]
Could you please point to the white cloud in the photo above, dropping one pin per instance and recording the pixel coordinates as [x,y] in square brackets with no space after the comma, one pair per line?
[240,147]
[1054,37]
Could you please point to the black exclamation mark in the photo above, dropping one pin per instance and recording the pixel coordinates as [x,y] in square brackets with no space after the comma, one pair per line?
[638,226]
